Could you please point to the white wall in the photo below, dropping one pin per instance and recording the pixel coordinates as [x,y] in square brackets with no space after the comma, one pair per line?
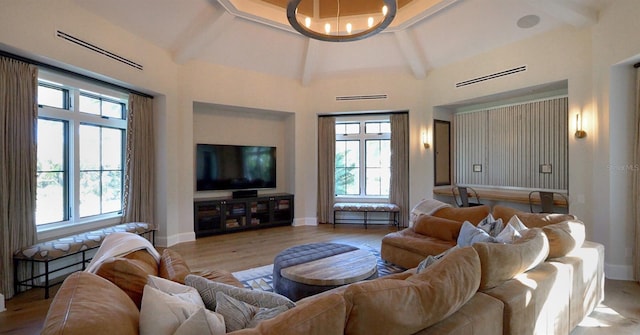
[593,60]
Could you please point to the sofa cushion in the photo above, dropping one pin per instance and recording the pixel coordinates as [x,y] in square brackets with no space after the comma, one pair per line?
[321,315]
[530,219]
[391,306]
[407,248]
[564,237]
[440,228]
[473,214]
[173,266]
[130,275]
[89,304]
[501,262]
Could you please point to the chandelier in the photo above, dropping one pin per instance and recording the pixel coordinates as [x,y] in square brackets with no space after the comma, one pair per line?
[331,21]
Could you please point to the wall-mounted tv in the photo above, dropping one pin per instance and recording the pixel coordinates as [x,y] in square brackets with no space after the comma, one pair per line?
[233,167]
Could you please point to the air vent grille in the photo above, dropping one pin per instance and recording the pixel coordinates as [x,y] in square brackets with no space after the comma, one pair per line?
[98,49]
[361,97]
[492,76]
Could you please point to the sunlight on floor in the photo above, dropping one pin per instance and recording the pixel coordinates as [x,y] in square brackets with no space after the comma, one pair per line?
[603,317]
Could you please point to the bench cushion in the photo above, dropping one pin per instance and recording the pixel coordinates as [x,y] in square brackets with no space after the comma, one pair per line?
[365,207]
[49,250]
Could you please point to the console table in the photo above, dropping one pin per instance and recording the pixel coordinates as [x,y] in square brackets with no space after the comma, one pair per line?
[225,215]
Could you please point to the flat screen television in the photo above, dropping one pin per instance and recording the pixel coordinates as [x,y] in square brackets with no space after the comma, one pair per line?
[234,167]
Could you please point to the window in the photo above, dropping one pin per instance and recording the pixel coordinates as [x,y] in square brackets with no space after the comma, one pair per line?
[363,157]
[81,144]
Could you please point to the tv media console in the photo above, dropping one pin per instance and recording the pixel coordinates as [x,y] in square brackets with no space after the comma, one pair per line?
[225,215]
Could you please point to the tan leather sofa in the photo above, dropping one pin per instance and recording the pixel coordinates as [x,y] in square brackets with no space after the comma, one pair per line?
[551,298]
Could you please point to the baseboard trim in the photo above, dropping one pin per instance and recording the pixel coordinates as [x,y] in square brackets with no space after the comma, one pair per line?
[618,272]
[312,221]
[175,239]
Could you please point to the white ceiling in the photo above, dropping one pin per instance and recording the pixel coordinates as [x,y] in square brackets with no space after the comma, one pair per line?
[204,30]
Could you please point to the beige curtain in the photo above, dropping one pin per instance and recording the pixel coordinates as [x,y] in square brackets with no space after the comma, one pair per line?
[18,122]
[139,187]
[399,188]
[326,168]
[636,182]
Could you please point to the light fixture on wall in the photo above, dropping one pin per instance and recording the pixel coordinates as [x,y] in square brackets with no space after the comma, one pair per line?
[580,133]
[331,21]
[425,140]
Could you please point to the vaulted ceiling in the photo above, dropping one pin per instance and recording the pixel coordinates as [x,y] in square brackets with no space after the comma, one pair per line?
[254,34]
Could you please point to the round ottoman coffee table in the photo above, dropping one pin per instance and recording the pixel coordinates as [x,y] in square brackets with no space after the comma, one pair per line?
[309,269]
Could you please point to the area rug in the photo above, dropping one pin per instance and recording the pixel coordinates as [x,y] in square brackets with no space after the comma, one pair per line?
[261,278]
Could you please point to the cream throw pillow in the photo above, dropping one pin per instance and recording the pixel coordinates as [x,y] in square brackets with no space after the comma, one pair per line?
[161,313]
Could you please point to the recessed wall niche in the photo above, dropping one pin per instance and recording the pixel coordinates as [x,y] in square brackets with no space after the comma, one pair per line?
[223,124]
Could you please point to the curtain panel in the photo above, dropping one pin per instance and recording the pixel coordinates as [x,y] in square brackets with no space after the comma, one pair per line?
[139,187]
[636,181]
[399,186]
[18,164]
[326,168]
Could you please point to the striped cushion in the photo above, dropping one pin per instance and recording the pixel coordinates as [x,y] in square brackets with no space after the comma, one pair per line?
[365,207]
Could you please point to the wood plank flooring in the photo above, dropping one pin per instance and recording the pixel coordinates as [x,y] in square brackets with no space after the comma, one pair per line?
[619,314]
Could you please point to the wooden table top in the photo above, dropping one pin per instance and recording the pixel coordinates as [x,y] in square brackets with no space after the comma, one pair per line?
[341,269]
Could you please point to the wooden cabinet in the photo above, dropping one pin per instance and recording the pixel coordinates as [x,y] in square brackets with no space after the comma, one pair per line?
[224,215]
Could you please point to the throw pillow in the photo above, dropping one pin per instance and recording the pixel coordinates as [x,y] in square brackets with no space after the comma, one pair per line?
[491,225]
[440,228]
[239,315]
[470,234]
[162,314]
[208,288]
[517,224]
[185,293]
[508,235]
[431,259]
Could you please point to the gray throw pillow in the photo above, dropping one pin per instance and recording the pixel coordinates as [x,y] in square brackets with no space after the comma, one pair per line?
[431,259]
[470,234]
[208,288]
[239,315]
[491,225]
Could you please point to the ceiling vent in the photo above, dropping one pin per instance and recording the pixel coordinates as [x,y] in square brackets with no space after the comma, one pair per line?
[492,76]
[362,97]
[97,49]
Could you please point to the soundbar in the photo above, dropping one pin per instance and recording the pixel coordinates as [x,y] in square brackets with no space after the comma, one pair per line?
[244,194]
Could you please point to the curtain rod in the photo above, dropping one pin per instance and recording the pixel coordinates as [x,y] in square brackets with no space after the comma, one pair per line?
[361,114]
[71,73]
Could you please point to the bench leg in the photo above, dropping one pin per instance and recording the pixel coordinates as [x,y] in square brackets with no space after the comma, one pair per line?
[46,280]
[365,219]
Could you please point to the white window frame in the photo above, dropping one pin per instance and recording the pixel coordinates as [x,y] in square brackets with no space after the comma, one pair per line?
[74,119]
[363,137]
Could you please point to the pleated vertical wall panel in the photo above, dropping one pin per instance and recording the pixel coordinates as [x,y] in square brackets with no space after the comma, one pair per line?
[511,143]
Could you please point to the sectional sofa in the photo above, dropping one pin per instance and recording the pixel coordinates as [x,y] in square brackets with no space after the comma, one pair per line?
[486,288]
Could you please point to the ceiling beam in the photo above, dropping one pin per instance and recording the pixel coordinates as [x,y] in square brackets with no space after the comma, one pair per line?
[200,34]
[570,12]
[411,53]
[310,60]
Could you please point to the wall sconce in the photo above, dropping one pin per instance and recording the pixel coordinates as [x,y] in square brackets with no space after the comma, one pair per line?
[425,140]
[580,133]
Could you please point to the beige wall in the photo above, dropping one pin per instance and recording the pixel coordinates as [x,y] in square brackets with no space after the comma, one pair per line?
[587,58]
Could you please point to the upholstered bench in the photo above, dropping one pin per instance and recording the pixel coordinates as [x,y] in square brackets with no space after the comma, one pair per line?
[79,244]
[365,208]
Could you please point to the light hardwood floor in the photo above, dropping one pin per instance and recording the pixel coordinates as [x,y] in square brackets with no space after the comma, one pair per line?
[619,314]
